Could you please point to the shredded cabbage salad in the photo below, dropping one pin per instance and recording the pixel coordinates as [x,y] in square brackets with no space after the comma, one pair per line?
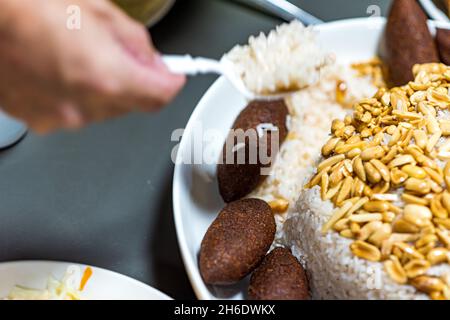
[69,287]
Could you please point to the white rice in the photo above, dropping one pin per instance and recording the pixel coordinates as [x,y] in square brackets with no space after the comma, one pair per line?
[333,271]
[311,112]
[288,58]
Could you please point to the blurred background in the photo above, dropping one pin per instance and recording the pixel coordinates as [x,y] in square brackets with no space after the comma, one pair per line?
[103,196]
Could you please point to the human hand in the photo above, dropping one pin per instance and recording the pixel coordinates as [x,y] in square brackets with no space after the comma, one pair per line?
[53,77]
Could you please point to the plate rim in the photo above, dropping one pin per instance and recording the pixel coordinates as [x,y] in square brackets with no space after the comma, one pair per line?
[162,295]
[189,263]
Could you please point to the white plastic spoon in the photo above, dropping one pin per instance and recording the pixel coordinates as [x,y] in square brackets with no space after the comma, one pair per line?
[189,65]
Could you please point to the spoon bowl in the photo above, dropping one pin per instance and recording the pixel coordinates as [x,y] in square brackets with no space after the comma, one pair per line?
[191,66]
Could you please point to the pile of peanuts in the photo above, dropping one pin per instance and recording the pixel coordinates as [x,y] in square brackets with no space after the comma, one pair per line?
[386,170]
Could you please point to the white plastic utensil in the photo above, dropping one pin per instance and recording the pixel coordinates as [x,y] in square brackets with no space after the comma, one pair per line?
[189,65]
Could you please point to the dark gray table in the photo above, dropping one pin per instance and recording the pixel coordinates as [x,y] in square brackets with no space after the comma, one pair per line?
[102,196]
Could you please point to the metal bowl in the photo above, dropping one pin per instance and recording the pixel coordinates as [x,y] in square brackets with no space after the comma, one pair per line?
[148,12]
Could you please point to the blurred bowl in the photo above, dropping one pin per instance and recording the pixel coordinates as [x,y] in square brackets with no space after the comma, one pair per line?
[11,130]
[149,12]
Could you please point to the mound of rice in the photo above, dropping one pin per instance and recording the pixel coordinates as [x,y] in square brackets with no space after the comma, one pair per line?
[287,59]
[334,271]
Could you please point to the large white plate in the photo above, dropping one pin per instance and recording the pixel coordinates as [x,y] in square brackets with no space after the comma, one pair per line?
[103,285]
[196,199]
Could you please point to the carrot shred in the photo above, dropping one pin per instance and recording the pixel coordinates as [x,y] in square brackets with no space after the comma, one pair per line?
[86,276]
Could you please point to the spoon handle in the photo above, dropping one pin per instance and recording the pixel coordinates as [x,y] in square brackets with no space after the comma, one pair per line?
[186,64]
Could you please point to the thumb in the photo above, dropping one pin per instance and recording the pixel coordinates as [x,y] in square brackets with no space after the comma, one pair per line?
[148,81]
[153,85]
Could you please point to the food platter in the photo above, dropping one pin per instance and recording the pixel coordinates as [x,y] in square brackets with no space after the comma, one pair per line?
[196,198]
[224,244]
[103,284]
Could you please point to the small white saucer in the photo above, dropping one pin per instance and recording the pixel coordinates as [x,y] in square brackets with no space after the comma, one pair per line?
[11,130]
